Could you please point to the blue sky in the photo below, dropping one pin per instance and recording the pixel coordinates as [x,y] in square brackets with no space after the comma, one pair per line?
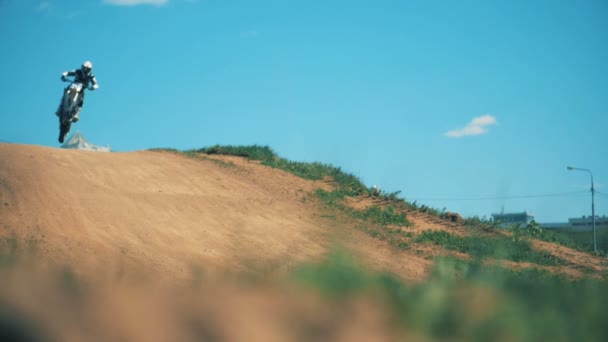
[447,101]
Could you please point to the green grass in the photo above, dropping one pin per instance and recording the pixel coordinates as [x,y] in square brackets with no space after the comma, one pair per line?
[374,221]
[373,214]
[378,215]
[163,149]
[313,171]
[331,198]
[466,301]
[534,231]
[514,248]
[338,276]
[584,240]
[581,241]
[395,237]
[479,222]
[255,152]
[423,208]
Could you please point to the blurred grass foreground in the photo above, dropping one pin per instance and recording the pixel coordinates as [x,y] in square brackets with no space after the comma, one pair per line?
[334,300]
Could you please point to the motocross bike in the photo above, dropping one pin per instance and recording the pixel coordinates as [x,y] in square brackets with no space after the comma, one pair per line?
[69,107]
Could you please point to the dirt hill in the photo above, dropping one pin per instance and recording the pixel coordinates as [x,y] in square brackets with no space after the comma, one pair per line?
[108,213]
[119,224]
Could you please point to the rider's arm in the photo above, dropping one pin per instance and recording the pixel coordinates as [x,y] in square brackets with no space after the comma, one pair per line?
[94,81]
[68,73]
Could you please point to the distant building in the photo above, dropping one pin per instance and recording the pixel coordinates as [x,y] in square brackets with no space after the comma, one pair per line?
[584,224]
[505,220]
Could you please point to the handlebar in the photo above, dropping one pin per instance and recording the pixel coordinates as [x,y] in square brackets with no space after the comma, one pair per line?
[66,79]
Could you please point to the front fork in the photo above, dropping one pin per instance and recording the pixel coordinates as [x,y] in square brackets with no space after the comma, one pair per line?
[69,109]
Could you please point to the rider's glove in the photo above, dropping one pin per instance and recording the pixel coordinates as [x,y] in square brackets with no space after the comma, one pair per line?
[95,86]
[63,78]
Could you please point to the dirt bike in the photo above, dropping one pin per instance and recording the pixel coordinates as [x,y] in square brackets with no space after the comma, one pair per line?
[69,107]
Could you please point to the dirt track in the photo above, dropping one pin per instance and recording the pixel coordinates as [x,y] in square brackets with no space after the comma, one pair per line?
[112,213]
[130,223]
[141,214]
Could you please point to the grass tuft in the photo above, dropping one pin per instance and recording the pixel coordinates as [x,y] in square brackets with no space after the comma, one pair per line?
[349,184]
[467,301]
[373,214]
[509,248]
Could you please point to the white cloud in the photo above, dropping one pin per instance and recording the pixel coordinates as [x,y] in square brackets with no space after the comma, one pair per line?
[477,126]
[136,2]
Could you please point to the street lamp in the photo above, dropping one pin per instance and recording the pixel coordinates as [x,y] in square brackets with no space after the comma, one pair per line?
[592,204]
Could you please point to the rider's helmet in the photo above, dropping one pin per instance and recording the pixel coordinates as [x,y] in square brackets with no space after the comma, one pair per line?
[87,67]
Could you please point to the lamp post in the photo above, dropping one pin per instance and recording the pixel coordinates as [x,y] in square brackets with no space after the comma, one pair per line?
[592,204]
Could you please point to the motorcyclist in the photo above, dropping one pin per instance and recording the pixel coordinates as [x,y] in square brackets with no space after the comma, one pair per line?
[85,76]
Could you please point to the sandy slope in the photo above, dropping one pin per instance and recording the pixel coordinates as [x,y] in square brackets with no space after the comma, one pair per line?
[115,213]
[123,215]
[129,222]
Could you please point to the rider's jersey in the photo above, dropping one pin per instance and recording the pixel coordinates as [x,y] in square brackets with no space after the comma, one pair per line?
[81,77]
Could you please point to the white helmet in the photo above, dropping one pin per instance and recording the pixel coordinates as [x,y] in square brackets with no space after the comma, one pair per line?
[87,67]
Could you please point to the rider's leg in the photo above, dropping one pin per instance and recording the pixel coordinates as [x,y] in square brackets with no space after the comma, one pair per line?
[76,115]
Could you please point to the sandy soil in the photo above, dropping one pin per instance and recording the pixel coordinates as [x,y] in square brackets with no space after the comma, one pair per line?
[112,213]
[138,214]
[158,241]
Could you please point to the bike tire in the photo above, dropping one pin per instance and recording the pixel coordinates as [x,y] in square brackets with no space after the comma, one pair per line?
[64,129]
